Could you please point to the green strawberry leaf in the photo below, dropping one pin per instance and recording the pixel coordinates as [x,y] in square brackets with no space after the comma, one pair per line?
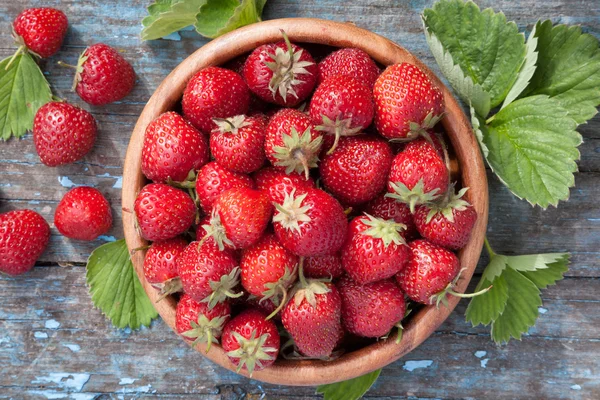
[487,307]
[155,9]
[568,69]
[478,127]
[116,289]
[23,89]
[527,70]
[486,47]
[168,17]
[545,277]
[218,17]
[352,389]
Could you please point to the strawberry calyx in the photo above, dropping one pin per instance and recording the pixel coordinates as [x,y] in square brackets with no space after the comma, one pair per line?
[216,230]
[223,288]
[230,125]
[275,289]
[299,152]
[188,183]
[291,212]
[168,287]
[78,68]
[388,231]
[251,352]
[452,201]
[308,289]
[21,48]
[340,127]
[442,295]
[205,330]
[422,130]
[414,196]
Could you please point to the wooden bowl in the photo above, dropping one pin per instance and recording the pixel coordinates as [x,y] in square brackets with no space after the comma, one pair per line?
[455,123]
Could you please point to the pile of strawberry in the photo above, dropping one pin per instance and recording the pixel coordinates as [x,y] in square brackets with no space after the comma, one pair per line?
[320,219]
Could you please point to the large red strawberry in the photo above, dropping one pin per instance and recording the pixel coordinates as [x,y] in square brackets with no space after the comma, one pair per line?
[197,323]
[371,310]
[374,249]
[163,212]
[388,208]
[406,102]
[251,341]
[310,223]
[238,143]
[350,62]
[24,235]
[342,106]
[214,92]
[276,183]
[83,214]
[63,133]
[160,265]
[281,73]
[172,148]
[323,267]
[213,179]
[292,142]
[41,30]
[358,170]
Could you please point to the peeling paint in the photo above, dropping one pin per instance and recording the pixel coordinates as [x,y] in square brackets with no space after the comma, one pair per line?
[119,183]
[480,353]
[576,387]
[107,238]
[40,335]
[137,389]
[542,310]
[484,362]
[73,347]
[65,181]
[52,324]
[173,36]
[4,340]
[64,380]
[412,365]
[126,381]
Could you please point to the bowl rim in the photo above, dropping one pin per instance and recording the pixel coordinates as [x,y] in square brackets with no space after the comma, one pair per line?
[384,51]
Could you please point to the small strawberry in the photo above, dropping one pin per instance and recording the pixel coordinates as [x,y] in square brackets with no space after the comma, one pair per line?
[160,265]
[374,249]
[388,208]
[83,214]
[342,106]
[163,212]
[406,102]
[323,267]
[371,310]
[197,323]
[292,142]
[63,133]
[358,170]
[277,183]
[172,148]
[350,62]
[214,92]
[251,341]
[238,143]
[40,30]
[310,223]
[213,179]
[281,73]
[24,235]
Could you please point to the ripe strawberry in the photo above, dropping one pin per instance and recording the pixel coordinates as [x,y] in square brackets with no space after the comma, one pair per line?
[160,265]
[214,92]
[163,212]
[358,170]
[238,143]
[418,175]
[281,73]
[41,30]
[323,267]
[208,274]
[350,62]
[83,214]
[342,106]
[371,310]
[277,183]
[197,323]
[374,249]
[24,235]
[251,341]
[387,208]
[172,148]
[213,179]
[310,223]
[292,142]
[103,76]
[63,133]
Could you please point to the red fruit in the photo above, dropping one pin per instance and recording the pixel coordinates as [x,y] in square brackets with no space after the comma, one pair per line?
[310,223]
[358,170]
[374,249]
[163,212]
[251,341]
[214,92]
[292,142]
[24,235]
[323,267]
[103,75]
[160,265]
[281,73]
[197,323]
[213,179]
[83,214]
[277,183]
[42,30]
[349,62]
[342,106]
[63,133]
[238,143]
[406,102]
[172,148]
[449,223]
[371,310]
[388,208]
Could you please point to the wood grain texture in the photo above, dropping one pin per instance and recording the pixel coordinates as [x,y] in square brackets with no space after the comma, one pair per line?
[560,353]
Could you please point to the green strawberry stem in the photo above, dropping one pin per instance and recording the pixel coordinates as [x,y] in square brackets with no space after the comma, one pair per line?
[20,49]
[488,247]
[468,295]
[64,64]
[135,250]
[281,303]
[169,287]
[290,51]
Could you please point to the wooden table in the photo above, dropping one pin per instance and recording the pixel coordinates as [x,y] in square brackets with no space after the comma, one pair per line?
[54,344]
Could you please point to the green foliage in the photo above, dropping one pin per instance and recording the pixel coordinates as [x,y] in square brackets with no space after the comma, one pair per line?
[352,389]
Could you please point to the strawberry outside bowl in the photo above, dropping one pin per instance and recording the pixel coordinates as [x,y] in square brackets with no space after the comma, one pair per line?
[470,165]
